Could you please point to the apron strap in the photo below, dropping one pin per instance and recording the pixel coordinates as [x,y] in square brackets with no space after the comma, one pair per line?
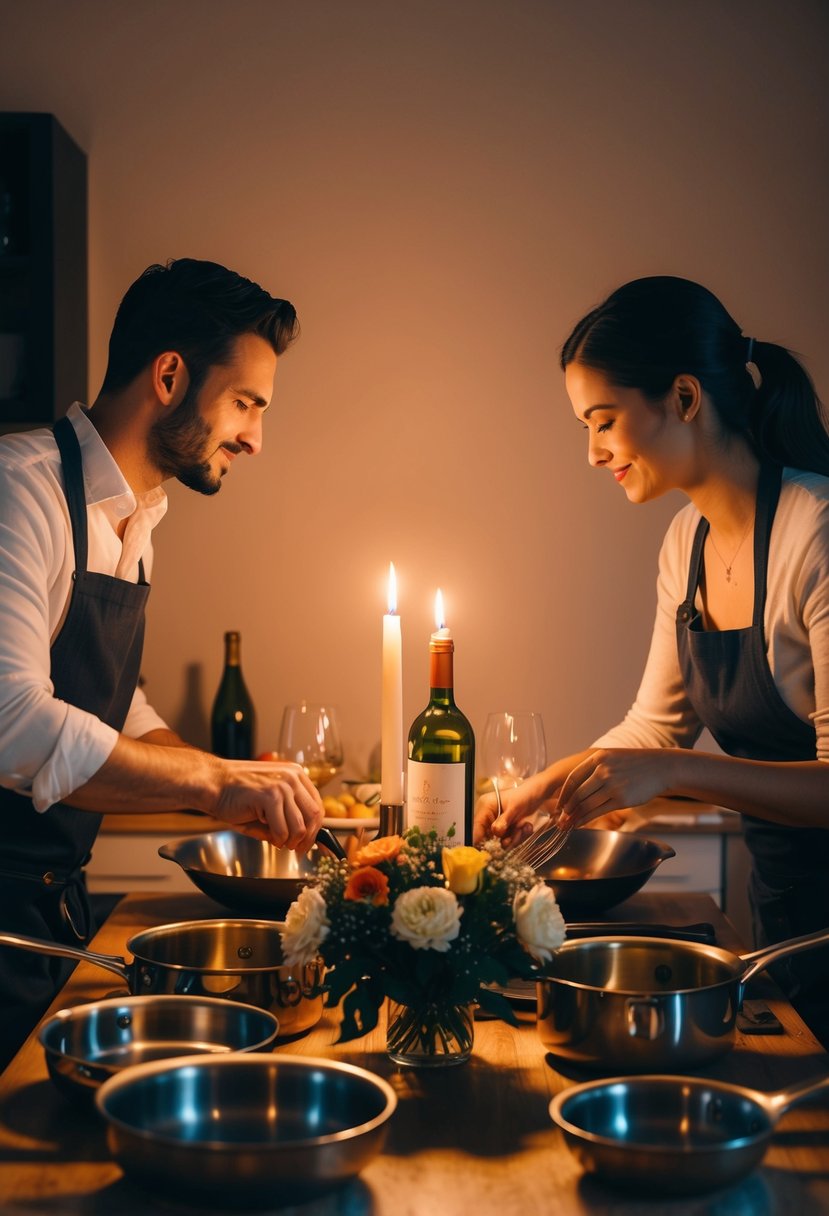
[70,451]
[768,492]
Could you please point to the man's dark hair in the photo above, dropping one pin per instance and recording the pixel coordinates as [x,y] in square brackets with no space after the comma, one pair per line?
[197,309]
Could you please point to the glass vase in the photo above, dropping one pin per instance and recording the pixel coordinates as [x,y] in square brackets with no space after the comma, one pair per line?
[429,1035]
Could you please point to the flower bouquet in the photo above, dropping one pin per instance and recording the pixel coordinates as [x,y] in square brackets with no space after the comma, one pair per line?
[430,927]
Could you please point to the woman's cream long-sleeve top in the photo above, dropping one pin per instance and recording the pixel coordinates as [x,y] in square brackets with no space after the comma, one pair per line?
[796,622]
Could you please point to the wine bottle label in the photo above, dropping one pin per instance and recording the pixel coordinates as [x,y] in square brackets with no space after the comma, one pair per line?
[435,798]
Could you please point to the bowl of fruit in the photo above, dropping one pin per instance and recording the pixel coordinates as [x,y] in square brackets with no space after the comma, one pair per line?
[355,808]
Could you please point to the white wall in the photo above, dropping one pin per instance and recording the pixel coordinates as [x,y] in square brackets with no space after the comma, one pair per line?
[442,187]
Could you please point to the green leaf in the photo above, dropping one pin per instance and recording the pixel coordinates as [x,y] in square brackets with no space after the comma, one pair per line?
[497,1005]
[359,1015]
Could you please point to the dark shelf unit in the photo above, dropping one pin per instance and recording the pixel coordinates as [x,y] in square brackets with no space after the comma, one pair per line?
[43,271]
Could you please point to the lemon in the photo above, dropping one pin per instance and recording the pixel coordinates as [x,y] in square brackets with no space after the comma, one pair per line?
[360,811]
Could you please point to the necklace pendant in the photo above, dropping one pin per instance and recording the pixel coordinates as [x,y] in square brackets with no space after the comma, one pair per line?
[728,574]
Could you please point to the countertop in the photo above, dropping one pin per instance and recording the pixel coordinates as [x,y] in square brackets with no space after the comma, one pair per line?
[472,1139]
[668,815]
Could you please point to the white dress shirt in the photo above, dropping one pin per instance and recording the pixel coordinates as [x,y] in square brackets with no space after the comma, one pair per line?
[49,748]
[796,622]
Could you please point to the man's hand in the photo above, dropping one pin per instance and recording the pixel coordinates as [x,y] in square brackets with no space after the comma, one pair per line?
[272,800]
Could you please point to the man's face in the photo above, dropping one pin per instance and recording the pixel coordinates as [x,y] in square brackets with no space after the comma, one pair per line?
[198,441]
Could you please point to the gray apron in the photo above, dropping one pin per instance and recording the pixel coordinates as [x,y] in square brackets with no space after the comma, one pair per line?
[95,661]
[729,683]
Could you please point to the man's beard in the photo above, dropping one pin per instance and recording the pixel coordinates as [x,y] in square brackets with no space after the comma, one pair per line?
[178,445]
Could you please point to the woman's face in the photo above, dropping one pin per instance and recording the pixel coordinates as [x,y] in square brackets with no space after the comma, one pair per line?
[646,447]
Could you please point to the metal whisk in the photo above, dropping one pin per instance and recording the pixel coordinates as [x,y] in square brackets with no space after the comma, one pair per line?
[537,849]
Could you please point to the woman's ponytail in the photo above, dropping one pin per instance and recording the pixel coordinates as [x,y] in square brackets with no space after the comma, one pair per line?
[786,418]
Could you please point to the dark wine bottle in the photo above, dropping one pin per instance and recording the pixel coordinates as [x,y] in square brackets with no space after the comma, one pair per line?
[233,719]
[441,766]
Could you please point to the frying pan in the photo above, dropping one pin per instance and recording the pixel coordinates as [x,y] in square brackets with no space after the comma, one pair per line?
[644,1004]
[245,1130]
[237,959]
[596,869]
[86,1045]
[674,1135]
[245,874]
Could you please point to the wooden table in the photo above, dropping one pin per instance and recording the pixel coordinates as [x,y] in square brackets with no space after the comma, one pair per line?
[475,1140]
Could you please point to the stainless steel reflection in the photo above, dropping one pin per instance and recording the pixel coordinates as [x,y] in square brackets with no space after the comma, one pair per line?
[241,873]
[245,1130]
[596,869]
[86,1045]
[642,1004]
[237,959]
[670,1134]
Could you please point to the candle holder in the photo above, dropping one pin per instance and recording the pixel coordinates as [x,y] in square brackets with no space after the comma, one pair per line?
[391,819]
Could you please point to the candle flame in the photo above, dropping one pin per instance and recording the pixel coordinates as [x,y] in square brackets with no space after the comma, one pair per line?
[440,618]
[392,589]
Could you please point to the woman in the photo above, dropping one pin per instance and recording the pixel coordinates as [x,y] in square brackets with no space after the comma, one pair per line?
[673,396]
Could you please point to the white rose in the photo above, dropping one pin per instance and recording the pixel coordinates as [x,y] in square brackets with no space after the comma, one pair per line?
[538,921]
[306,927]
[428,918]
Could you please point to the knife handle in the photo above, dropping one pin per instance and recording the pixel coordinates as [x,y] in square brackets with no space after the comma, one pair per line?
[700,932]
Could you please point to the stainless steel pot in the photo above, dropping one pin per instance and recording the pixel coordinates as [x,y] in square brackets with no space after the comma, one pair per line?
[245,1130]
[245,874]
[641,1004]
[240,960]
[88,1044]
[673,1135]
[597,869]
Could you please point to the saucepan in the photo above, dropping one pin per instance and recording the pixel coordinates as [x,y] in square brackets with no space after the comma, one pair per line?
[245,1130]
[595,869]
[88,1044]
[668,1134]
[643,1004]
[245,874]
[240,960]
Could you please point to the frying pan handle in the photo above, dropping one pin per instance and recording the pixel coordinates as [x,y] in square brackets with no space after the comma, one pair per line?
[758,960]
[795,1094]
[327,838]
[110,962]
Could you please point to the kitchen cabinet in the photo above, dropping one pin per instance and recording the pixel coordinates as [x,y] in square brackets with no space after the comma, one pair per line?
[711,858]
[43,271]
[130,862]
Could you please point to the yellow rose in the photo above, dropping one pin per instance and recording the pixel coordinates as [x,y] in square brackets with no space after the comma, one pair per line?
[462,868]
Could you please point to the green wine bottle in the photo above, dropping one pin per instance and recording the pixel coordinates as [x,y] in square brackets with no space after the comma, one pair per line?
[233,718]
[441,766]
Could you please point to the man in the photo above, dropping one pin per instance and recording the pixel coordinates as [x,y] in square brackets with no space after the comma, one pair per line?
[192,359]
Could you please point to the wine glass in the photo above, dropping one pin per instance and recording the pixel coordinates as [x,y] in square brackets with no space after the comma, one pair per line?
[310,735]
[512,749]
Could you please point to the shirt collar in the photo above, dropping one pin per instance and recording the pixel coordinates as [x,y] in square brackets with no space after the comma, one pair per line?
[104,482]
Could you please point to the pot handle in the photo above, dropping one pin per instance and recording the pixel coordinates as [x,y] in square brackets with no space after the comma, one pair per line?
[645,1017]
[758,960]
[110,962]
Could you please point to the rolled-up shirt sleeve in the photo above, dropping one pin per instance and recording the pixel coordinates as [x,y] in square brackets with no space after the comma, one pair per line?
[48,748]
[142,718]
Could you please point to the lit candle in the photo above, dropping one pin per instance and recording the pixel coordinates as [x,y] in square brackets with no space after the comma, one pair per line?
[440,619]
[391,739]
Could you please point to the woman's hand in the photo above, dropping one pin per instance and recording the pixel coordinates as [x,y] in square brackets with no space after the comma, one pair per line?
[518,804]
[270,800]
[609,780]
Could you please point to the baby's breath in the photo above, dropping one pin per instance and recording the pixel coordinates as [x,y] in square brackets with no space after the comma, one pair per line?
[367,961]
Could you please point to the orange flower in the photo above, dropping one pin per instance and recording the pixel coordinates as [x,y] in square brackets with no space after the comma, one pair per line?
[383,848]
[368,884]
